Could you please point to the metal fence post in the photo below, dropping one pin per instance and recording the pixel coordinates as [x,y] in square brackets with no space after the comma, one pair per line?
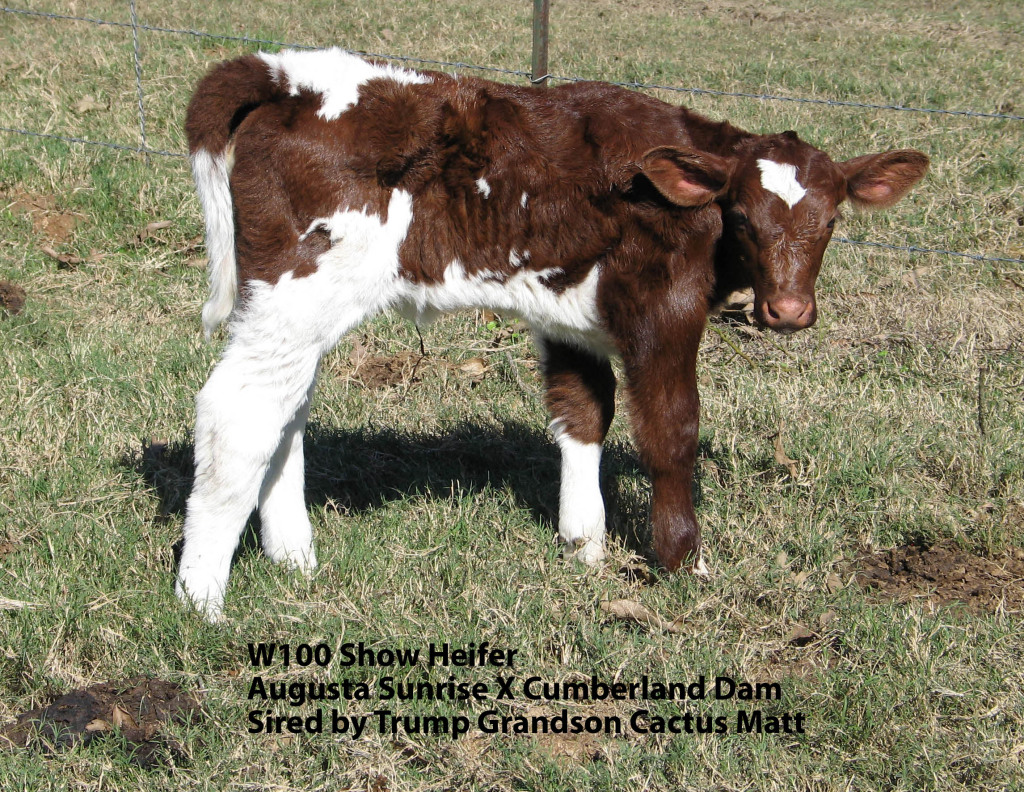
[539,73]
[138,79]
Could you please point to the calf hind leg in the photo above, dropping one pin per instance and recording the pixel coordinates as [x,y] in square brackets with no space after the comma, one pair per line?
[580,396]
[247,415]
[250,418]
[285,531]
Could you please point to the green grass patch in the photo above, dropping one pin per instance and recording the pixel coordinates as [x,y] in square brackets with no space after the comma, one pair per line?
[434,497]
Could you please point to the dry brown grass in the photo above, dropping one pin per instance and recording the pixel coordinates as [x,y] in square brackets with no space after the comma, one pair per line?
[432,486]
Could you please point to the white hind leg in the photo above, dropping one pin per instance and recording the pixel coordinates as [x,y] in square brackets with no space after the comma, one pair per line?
[242,415]
[250,416]
[580,394]
[285,533]
[251,413]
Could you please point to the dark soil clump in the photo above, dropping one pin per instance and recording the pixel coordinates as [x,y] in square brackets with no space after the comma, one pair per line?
[12,297]
[945,576]
[138,709]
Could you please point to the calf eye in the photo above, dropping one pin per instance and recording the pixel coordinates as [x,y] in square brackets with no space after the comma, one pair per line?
[743,223]
[832,223]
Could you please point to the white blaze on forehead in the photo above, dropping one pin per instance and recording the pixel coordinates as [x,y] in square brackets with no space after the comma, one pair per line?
[780,178]
[483,187]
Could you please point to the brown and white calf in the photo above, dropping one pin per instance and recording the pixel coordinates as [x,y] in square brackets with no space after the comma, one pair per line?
[335,188]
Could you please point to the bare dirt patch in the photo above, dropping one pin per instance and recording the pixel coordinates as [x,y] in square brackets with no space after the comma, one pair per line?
[405,369]
[382,371]
[48,220]
[138,709]
[570,748]
[387,371]
[945,576]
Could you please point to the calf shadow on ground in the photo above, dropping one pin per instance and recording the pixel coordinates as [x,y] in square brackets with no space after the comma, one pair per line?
[359,470]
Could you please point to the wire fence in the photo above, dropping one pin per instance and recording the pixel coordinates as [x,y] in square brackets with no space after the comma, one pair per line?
[143,148]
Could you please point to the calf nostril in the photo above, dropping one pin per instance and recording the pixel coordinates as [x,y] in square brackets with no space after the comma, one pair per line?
[788,312]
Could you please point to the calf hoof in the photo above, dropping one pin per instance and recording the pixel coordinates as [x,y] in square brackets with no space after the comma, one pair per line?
[700,569]
[210,606]
[301,561]
[586,551]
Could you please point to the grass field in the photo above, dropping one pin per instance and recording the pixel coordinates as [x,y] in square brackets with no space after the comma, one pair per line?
[431,483]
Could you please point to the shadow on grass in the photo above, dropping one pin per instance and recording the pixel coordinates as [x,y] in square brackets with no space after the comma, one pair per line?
[362,469]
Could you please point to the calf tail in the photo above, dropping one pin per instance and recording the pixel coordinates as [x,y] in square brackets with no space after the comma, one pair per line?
[211,174]
[221,102]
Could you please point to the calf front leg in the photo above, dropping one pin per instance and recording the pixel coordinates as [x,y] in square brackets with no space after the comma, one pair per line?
[580,396]
[665,407]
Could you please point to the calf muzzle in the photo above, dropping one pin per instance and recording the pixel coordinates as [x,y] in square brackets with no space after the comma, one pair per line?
[788,313]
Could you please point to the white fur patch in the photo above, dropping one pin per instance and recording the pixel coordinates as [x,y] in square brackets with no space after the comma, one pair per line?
[580,505]
[483,187]
[523,199]
[334,74]
[780,179]
[211,177]
[360,270]
[571,315]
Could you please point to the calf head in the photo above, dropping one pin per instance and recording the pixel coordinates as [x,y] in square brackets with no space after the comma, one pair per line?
[782,204]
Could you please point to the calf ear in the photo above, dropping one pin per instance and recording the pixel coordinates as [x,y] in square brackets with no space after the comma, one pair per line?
[875,181]
[686,177]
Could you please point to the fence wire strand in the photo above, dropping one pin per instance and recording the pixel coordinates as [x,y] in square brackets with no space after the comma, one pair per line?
[765,97]
[146,151]
[85,141]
